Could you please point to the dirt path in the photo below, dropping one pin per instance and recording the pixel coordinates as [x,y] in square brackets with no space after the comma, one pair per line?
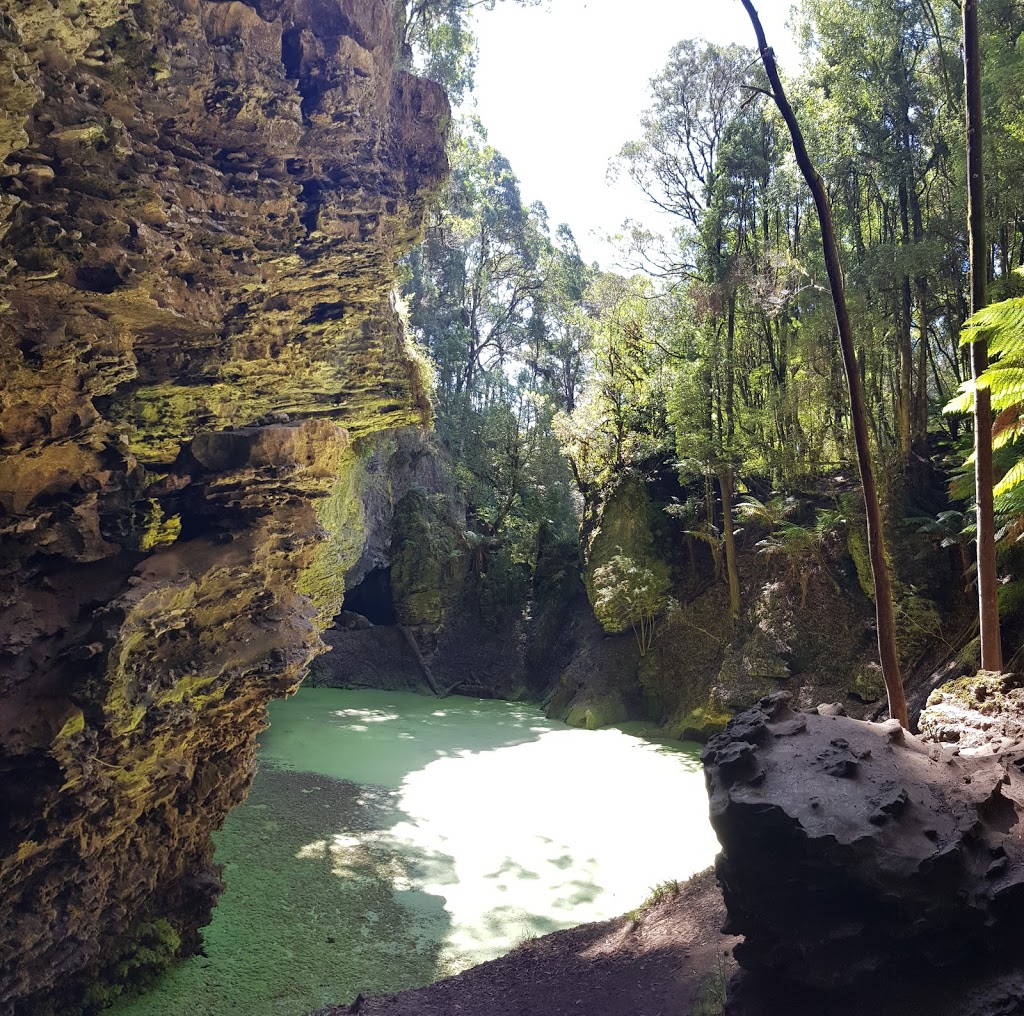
[671,961]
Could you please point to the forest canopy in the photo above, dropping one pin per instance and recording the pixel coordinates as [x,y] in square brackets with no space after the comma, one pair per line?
[718,353]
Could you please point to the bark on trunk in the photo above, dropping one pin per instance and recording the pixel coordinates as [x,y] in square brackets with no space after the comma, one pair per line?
[988,611]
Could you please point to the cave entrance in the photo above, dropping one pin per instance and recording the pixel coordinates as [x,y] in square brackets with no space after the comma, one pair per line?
[372,598]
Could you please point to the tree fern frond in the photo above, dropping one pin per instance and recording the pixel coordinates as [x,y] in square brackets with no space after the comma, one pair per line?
[1008,425]
[1001,324]
[1013,478]
[962,403]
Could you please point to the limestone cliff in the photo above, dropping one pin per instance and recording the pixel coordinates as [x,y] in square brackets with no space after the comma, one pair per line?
[201,208]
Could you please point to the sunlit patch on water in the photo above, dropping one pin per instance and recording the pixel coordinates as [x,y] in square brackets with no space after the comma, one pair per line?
[388,842]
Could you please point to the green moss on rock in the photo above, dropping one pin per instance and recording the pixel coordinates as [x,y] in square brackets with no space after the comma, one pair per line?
[428,569]
[868,684]
[628,530]
[598,712]
[857,548]
[149,951]
[699,724]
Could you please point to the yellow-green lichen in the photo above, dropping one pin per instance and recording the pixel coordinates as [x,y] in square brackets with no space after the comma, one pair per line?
[73,725]
[343,517]
[602,712]
[698,724]
[156,530]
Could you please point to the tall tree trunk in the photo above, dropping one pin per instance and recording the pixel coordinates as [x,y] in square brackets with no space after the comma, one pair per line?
[876,547]
[730,375]
[905,320]
[921,398]
[924,322]
[988,609]
[725,482]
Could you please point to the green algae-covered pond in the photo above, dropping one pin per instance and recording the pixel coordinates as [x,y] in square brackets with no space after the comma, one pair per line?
[392,839]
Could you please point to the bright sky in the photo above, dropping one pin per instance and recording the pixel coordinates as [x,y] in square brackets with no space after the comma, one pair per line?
[561,87]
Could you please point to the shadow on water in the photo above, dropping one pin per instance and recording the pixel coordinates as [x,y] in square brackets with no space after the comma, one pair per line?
[318,906]
[390,839]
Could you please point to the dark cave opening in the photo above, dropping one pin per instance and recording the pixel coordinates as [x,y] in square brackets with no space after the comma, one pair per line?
[372,598]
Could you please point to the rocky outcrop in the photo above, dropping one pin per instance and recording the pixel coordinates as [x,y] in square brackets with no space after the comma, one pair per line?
[856,854]
[985,710]
[201,210]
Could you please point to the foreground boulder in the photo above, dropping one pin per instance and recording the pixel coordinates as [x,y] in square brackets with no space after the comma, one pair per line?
[855,852]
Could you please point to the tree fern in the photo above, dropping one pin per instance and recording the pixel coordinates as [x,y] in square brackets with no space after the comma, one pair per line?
[1002,327]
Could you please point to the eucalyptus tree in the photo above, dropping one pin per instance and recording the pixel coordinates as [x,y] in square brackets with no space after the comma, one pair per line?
[437,40]
[698,100]
[475,281]
[561,338]
[884,69]
[988,610]
[491,297]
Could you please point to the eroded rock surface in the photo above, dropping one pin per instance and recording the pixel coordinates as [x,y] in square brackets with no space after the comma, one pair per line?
[854,852]
[201,208]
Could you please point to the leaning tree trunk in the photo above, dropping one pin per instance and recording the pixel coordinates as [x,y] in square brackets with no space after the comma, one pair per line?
[830,247]
[988,609]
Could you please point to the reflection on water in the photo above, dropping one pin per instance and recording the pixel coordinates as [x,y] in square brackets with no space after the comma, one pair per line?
[390,840]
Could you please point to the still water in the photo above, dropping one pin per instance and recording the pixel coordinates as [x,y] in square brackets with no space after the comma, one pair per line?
[391,839]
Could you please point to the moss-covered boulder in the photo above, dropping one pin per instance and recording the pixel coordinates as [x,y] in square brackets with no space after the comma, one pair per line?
[985,709]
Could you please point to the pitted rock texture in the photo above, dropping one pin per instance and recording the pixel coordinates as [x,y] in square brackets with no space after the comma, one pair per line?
[853,851]
[201,209]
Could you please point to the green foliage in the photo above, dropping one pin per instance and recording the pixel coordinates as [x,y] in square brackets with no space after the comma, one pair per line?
[667,890]
[801,548]
[491,297]
[711,997]
[620,420]
[1001,326]
[438,41]
[152,949]
[627,595]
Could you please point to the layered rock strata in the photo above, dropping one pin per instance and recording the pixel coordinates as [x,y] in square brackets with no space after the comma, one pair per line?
[201,210]
[855,854]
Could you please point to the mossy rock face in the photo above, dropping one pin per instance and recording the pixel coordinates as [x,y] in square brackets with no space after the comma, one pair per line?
[982,710]
[857,548]
[985,692]
[601,712]
[869,685]
[198,245]
[150,950]
[699,724]
[630,527]
[428,559]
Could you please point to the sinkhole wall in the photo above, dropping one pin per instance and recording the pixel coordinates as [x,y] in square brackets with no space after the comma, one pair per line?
[201,209]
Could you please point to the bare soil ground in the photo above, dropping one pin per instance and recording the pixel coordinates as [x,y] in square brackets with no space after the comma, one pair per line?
[671,960]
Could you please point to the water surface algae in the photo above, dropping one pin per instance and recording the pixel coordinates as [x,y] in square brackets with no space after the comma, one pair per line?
[391,839]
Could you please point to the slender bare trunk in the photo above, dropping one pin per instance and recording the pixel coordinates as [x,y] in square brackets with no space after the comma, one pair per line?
[729,539]
[876,547]
[988,608]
